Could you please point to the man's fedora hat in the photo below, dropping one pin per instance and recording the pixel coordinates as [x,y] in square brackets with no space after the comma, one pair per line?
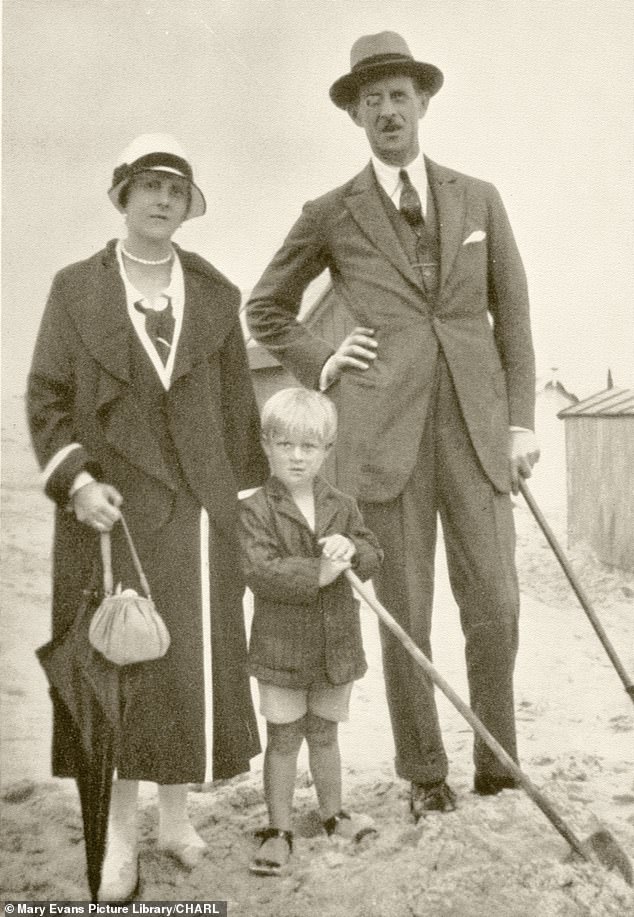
[375,56]
[155,153]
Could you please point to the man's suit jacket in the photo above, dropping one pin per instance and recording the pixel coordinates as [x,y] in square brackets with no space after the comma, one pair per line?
[479,318]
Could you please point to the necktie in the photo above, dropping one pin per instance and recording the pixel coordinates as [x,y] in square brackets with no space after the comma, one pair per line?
[159,326]
[410,205]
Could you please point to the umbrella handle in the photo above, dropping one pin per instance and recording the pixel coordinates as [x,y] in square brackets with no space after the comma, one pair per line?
[576,587]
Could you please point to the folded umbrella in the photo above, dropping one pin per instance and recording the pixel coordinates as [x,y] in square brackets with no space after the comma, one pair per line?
[88,687]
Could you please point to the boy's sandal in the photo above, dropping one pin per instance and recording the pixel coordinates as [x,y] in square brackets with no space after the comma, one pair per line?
[269,861]
[352,827]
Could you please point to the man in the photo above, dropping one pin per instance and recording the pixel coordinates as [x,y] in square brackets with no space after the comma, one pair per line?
[435,388]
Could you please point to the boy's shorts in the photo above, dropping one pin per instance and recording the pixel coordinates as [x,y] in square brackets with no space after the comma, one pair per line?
[285,705]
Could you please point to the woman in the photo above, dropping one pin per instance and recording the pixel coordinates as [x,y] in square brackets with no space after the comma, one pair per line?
[140,402]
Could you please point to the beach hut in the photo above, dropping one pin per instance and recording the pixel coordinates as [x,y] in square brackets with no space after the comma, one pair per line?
[600,475]
[549,479]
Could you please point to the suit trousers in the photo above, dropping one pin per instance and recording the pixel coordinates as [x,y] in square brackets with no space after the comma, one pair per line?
[477,522]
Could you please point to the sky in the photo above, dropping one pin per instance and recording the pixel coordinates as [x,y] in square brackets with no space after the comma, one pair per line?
[537,99]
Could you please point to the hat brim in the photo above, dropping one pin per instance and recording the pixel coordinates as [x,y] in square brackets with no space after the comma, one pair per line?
[344,91]
[197,206]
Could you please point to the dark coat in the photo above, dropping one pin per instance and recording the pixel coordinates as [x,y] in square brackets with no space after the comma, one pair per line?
[303,634]
[81,390]
[479,319]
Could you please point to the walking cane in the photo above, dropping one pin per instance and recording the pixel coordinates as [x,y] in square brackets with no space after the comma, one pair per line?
[600,846]
[576,586]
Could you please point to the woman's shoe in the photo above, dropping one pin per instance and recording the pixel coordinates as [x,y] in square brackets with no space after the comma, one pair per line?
[274,853]
[119,874]
[188,849]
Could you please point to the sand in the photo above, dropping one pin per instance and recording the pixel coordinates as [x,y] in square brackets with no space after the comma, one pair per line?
[493,857]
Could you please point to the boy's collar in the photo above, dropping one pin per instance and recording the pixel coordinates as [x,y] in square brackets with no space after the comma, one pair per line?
[277,487]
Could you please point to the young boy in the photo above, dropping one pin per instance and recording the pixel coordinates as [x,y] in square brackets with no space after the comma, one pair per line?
[299,534]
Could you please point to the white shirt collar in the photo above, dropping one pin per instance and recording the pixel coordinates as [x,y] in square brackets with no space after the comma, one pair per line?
[176,292]
[389,179]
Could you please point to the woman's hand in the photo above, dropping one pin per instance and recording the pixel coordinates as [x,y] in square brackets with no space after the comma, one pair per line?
[97,505]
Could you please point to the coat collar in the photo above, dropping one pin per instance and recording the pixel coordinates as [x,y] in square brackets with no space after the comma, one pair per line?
[364,202]
[98,308]
[326,503]
[103,323]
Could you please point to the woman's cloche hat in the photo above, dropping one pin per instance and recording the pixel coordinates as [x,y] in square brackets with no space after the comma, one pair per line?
[375,56]
[156,153]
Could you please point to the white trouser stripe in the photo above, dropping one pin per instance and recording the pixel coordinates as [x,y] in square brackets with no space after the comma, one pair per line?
[206,647]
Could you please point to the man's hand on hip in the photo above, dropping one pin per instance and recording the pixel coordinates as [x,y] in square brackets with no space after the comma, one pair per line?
[357,351]
[523,453]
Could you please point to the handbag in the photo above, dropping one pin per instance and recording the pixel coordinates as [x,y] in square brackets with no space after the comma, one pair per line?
[126,627]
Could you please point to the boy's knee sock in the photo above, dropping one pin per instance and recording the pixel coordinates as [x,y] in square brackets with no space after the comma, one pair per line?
[325,764]
[285,738]
[320,733]
[280,767]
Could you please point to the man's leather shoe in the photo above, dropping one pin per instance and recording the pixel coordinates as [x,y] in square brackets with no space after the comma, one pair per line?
[431,797]
[489,785]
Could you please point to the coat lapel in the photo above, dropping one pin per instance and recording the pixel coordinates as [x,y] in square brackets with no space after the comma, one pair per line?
[104,325]
[450,198]
[326,505]
[284,503]
[206,320]
[365,204]
[102,318]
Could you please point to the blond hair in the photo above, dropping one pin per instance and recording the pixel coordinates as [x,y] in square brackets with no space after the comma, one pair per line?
[300,412]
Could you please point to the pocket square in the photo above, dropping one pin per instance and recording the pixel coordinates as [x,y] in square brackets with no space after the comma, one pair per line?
[476,236]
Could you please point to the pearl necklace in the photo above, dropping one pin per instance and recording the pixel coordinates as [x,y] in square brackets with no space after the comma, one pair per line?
[146,260]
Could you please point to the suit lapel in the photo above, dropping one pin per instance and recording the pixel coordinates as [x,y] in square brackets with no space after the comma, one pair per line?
[365,204]
[450,199]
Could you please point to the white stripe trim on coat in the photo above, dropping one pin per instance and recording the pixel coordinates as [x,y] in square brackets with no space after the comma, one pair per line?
[205,604]
[54,463]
